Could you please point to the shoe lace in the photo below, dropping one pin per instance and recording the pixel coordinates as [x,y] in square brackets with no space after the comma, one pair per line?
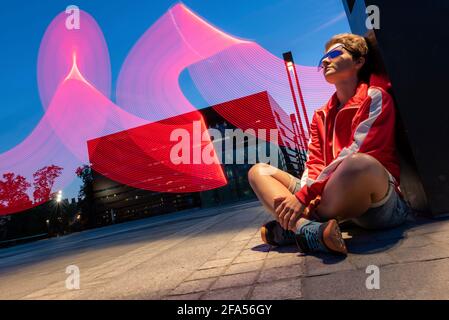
[311,236]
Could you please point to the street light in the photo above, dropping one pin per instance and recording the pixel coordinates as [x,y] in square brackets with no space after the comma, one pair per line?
[59,196]
[58,210]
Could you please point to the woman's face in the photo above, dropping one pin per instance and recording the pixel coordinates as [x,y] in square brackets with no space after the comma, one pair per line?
[341,67]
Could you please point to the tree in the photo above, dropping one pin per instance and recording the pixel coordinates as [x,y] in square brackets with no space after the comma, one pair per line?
[13,192]
[86,193]
[44,180]
[85,173]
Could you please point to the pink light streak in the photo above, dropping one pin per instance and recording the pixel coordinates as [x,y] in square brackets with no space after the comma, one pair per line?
[74,80]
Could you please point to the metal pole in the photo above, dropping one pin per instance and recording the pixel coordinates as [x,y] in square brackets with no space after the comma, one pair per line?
[301,99]
[295,101]
[302,149]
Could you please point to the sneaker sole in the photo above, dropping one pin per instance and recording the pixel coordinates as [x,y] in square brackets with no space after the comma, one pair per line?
[333,238]
[263,234]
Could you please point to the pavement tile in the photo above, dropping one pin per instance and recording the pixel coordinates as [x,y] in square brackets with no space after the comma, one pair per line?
[325,264]
[235,280]
[285,251]
[373,246]
[216,263]
[227,294]
[262,247]
[429,252]
[250,257]
[227,253]
[193,286]
[207,273]
[240,244]
[250,251]
[438,236]
[244,267]
[280,273]
[342,285]
[189,296]
[243,220]
[279,290]
[243,236]
[416,241]
[362,261]
[423,280]
[47,297]
[432,227]
[254,243]
[388,234]
[284,261]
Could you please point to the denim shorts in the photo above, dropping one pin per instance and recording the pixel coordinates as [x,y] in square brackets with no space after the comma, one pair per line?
[390,212]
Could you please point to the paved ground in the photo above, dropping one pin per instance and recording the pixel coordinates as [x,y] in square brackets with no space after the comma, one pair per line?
[217,254]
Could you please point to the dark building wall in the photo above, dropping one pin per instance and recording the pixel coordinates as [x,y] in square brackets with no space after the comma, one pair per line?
[116,202]
[412,40]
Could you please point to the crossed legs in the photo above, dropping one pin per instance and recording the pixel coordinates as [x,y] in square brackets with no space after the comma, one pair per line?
[359,181]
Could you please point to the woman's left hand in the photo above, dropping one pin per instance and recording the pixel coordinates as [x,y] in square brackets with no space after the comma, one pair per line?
[289,211]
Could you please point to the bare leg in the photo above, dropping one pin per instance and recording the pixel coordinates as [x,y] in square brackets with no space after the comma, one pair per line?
[269,186]
[359,181]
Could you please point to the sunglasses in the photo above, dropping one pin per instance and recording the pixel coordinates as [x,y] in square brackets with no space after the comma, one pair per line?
[334,53]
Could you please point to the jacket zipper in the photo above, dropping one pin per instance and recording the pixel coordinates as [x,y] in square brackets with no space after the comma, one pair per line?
[325,133]
[333,135]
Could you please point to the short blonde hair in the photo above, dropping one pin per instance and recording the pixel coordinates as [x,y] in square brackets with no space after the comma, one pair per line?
[358,47]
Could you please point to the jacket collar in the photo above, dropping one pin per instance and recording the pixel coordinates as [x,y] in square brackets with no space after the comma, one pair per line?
[356,100]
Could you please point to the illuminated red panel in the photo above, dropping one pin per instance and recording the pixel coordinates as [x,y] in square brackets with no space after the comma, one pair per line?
[140,157]
[258,111]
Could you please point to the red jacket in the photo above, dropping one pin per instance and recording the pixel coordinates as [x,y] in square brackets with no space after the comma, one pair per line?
[365,124]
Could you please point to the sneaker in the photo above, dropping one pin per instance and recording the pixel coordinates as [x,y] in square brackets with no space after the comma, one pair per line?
[326,237]
[272,233]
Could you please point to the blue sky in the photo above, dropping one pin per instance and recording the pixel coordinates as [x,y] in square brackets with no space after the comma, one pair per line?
[300,26]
